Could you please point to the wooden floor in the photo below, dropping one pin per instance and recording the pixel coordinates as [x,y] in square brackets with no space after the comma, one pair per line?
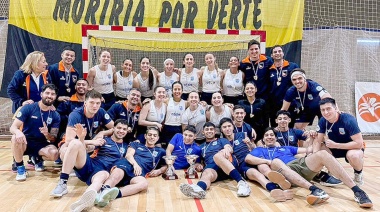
[33,194]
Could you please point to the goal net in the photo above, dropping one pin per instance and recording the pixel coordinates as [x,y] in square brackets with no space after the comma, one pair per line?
[161,43]
[341,46]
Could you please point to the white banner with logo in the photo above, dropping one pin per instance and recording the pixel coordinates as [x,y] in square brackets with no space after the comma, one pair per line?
[367,101]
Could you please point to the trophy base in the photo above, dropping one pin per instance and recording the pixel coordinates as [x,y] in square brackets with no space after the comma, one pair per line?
[171,177]
[191,176]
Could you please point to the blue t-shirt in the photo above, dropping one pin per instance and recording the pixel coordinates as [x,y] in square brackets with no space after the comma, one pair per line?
[245,128]
[209,149]
[284,153]
[32,117]
[310,99]
[290,137]
[120,111]
[240,148]
[181,149]
[100,119]
[148,159]
[342,130]
[110,152]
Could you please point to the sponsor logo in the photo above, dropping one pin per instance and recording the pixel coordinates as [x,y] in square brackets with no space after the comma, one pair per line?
[369,107]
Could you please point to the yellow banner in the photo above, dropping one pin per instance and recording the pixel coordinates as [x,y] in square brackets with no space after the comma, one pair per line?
[62,19]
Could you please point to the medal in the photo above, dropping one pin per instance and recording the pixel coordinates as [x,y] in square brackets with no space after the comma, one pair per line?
[251,115]
[278,83]
[68,90]
[279,79]
[255,77]
[302,108]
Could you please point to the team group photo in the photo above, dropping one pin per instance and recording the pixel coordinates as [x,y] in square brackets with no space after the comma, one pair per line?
[169,119]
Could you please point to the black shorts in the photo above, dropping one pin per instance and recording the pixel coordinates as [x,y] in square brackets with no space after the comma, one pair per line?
[307,116]
[33,147]
[341,153]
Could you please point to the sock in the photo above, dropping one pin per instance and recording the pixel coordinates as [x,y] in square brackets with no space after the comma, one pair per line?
[104,187]
[20,163]
[64,177]
[202,184]
[313,187]
[358,172]
[323,176]
[119,195]
[234,174]
[356,189]
[270,186]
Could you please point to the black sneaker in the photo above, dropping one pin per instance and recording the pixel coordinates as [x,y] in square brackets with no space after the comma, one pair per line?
[14,167]
[363,200]
[30,163]
[331,182]
[317,196]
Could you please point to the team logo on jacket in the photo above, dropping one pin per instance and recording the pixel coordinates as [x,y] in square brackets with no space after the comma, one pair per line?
[284,73]
[109,76]
[189,151]
[341,131]
[19,114]
[261,65]
[191,78]
[214,143]
[236,142]
[180,107]
[75,78]
[291,138]
[106,116]
[96,124]
[310,97]
[49,120]
[154,153]
[237,80]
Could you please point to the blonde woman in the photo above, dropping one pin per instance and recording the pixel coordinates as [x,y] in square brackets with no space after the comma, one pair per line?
[25,86]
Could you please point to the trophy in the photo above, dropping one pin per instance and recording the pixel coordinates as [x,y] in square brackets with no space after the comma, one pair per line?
[170,172]
[191,173]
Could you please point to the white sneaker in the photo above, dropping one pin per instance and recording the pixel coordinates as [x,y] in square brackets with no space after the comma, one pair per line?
[21,173]
[104,197]
[86,201]
[60,189]
[243,189]
[192,190]
[39,167]
[358,179]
